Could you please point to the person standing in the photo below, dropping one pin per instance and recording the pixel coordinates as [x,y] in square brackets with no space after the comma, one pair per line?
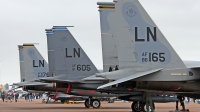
[181,99]
[188,98]
[0,93]
[16,96]
[9,96]
[26,96]
[3,96]
[12,95]
[116,68]
[147,98]
[48,97]
[30,97]
[194,100]
[110,69]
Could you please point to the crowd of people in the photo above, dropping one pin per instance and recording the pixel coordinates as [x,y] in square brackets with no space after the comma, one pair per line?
[30,96]
[10,96]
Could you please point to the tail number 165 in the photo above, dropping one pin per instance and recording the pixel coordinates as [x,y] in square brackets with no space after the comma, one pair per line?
[153,57]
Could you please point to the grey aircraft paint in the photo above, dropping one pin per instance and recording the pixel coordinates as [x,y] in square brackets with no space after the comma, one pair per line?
[30,52]
[131,18]
[36,66]
[66,57]
[109,51]
[21,61]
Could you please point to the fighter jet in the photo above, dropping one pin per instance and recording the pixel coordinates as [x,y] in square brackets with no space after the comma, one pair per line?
[144,56]
[69,64]
[33,67]
[148,56]
[62,50]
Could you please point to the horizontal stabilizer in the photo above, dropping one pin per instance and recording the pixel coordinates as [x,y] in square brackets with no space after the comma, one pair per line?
[131,77]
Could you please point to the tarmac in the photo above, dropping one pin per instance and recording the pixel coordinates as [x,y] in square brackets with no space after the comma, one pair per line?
[118,106]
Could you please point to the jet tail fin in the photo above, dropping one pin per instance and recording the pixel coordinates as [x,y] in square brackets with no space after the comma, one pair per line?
[32,65]
[109,50]
[66,56]
[21,63]
[139,39]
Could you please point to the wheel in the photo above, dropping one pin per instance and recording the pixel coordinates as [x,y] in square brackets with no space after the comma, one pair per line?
[136,107]
[87,105]
[96,103]
[143,107]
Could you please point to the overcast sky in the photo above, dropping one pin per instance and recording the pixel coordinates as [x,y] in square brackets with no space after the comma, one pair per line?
[25,21]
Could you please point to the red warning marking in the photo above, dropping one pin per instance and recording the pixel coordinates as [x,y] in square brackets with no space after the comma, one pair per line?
[129,89]
[68,88]
[91,91]
[176,89]
[87,91]
[55,96]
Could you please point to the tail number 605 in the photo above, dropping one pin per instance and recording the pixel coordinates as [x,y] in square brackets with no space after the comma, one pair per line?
[83,67]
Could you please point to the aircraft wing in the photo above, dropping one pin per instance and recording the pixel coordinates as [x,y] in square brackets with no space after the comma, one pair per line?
[192,64]
[93,77]
[30,84]
[60,78]
[134,76]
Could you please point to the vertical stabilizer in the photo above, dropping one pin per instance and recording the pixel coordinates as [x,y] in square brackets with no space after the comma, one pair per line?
[32,65]
[66,57]
[21,63]
[141,45]
[109,50]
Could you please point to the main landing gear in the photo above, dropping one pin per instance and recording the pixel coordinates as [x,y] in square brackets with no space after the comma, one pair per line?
[140,106]
[95,103]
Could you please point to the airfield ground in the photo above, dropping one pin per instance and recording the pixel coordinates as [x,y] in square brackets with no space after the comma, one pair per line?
[118,106]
